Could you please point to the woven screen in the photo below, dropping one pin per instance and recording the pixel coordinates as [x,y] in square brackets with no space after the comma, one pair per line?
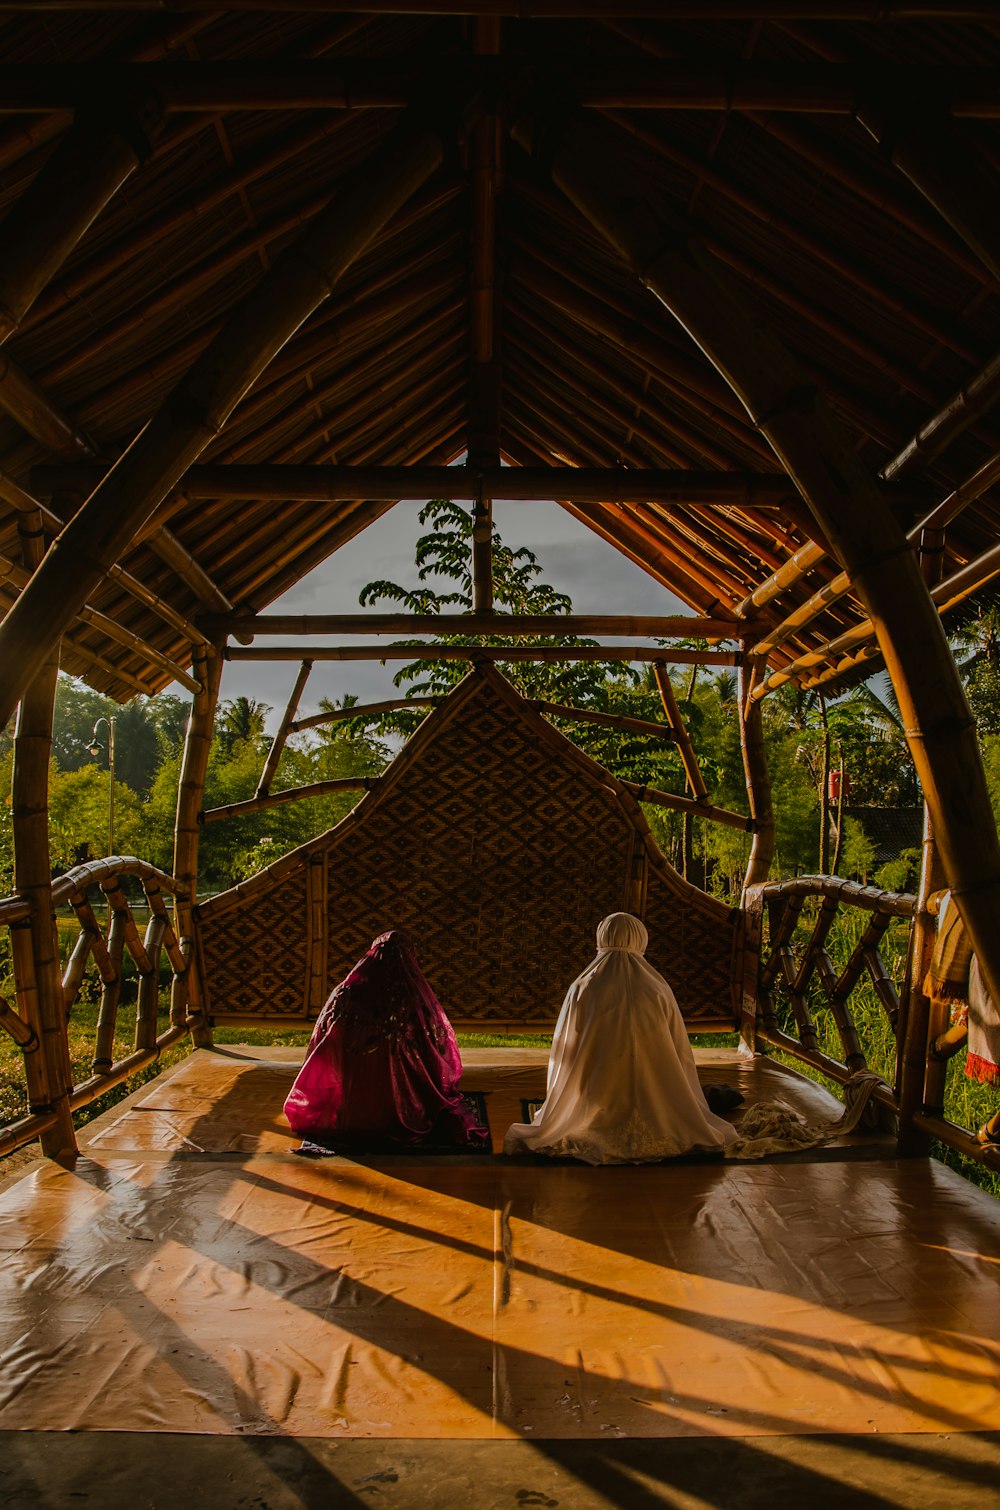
[499,846]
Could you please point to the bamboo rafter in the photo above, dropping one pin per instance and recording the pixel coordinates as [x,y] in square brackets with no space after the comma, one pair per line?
[506,625]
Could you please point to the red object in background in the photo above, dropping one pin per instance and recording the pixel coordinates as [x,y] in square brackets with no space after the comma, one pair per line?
[833,785]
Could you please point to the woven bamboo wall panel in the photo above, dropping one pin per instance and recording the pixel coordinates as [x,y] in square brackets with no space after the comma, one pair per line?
[500,847]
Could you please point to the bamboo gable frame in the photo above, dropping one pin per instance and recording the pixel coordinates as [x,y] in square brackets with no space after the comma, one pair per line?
[500,846]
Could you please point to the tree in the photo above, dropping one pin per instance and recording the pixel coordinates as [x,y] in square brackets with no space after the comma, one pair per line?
[242,720]
[445,553]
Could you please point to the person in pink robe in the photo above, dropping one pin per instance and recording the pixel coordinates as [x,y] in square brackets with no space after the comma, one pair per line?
[383,1066]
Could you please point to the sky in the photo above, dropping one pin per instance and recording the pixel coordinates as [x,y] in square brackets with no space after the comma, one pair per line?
[573,559]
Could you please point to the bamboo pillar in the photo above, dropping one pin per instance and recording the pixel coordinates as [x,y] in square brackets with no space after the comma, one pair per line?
[198,407]
[190,794]
[914,1007]
[87,168]
[36,945]
[758,783]
[796,419]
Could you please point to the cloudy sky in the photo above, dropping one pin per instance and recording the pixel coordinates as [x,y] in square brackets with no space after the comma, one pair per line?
[573,559]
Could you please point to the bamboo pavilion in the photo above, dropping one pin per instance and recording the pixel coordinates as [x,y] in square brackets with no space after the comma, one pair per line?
[722,278]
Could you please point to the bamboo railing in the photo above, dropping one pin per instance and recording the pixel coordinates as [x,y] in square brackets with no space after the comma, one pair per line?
[104,946]
[788,927]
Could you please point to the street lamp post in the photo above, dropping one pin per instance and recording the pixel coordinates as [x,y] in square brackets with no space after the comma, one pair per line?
[95,750]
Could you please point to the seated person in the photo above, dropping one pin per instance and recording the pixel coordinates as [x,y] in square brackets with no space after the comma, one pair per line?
[622,1084]
[955,977]
[382,1064]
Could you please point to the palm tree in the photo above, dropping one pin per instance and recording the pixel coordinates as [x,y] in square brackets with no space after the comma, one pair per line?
[242,720]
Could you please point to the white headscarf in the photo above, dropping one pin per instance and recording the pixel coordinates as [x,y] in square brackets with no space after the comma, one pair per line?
[622,1083]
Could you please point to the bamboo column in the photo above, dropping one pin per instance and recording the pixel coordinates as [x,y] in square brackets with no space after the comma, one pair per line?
[758,783]
[35,943]
[914,1007]
[190,792]
[794,416]
[199,406]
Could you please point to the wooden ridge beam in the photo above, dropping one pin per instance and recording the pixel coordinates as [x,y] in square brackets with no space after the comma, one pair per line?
[381,84]
[974,399]
[432,652]
[309,483]
[667,626]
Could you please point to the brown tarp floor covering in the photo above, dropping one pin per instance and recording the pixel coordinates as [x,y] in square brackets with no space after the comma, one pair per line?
[191,1274]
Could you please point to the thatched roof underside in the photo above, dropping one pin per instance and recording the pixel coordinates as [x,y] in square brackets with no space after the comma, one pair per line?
[828,243]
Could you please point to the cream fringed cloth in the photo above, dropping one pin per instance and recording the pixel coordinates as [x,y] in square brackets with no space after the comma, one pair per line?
[770,1127]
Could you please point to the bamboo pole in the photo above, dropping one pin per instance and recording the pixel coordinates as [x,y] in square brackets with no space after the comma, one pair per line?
[12,493]
[936,434]
[689,760]
[40,996]
[363,710]
[946,595]
[688,805]
[382,84]
[436,652]
[92,161]
[664,10]
[795,419]
[607,720]
[200,405]
[944,162]
[278,742]
[190,792]
[758,783]
[660,626]
[25,401]
[260,803]
[105,625]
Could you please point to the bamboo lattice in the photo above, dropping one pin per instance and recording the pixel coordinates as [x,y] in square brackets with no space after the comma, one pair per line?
[500,846]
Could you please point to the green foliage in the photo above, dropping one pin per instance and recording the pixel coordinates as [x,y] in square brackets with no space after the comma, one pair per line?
[857,853]
[444,554]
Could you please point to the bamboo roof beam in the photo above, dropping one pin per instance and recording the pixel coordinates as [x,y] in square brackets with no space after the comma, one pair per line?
[665,626]
[894,11]
[859,277]
[97,666]
[946,594]
[936,434]
[91,162]
[675,655]
[124,249]
[328,484]
[941,160]
[201,403]
[25,401]
[350,84]
[52,523]
[110,628]
[794,417]
[278,742]
[650,420]
[837,587]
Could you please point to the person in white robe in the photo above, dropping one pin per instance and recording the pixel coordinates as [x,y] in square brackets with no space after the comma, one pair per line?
[622,1084]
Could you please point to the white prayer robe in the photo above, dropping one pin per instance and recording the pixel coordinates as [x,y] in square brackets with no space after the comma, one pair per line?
[622,1084]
